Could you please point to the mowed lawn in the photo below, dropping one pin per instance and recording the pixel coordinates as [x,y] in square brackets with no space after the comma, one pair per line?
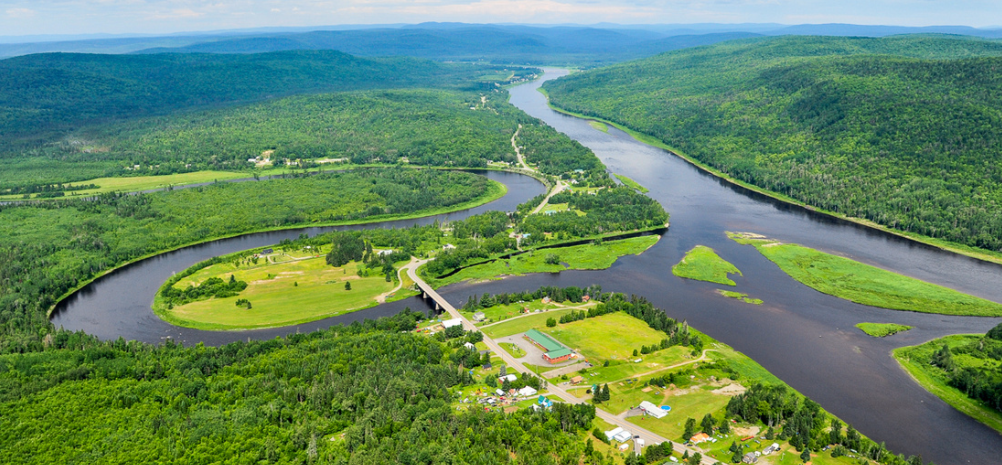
[703,264]
[281,294]
[692,405]
[523,324]
[613,336]
[868,285]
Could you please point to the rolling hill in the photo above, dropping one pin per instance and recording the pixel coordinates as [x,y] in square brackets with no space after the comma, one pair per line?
[898,131]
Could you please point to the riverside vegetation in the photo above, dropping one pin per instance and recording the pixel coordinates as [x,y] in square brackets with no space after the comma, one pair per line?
[963,370]
[895,130]
[703,264]
[865,284]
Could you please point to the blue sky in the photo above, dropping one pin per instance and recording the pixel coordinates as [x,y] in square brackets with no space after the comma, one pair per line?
[21,17]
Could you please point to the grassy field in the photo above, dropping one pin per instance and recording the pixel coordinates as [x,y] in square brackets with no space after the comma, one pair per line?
[703,264]
[915,360]
[513,349]
[608,337]
[503,312]
[578,257]
[523,324]
[740,296]
[629,182]
[143,183]
[882,329]
[296,289]
[865,284]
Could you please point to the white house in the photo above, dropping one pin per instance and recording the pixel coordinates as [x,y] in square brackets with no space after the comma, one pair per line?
[618,434]
[527,391]
[652,410]
[452,322]
[510,378]
[470,346]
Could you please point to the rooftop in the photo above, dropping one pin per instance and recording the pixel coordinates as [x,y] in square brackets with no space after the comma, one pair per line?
[558,353]
[542,339]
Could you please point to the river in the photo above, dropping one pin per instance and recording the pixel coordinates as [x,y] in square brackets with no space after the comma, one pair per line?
[804,337]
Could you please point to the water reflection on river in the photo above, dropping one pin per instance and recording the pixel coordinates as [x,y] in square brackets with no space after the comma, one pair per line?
[804,337]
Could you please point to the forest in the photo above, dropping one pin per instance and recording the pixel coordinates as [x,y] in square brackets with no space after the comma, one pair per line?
[47,249]
[361,394]
[486,236]
[898,131]
[45,95]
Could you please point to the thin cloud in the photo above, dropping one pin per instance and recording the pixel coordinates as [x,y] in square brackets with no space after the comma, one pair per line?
[17,13]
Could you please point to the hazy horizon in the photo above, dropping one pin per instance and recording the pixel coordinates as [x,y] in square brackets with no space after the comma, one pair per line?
[162,17]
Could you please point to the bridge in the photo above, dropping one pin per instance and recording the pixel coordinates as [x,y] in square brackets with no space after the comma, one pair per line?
[441,304]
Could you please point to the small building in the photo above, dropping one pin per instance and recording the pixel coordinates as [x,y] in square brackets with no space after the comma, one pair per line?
[479,316]
[448,247]
[585,298]
[577,379]
[469,345]
[638,445]
[509,377]
[452,322]
[652,410]
[749,458]
[559,355]
[499,392]
[546,300]
[527,391]
[701,437]
[266,251]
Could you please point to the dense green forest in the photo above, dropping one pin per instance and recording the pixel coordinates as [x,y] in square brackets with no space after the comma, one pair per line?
[899,131]
[46,249]
[425,127]
[45,94]
[362,394]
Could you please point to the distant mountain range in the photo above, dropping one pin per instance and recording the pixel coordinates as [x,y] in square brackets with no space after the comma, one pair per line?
[504,43]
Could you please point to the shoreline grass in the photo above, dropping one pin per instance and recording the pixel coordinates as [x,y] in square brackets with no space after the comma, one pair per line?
[740,296]
[865,284]
[943,244]
[631,183]
[599,125]
[882,329]
[703,264]
[914,360]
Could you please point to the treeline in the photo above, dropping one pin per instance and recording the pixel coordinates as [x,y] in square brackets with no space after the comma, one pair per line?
[559,294]
[489,235]
[904,142]
[363,393]
[212,287]
[805,425]
[48,249]
[981,380]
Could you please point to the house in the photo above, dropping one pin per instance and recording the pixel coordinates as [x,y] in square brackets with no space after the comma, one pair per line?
[701,437]
[469,345]
[527,391]
[266,251]
[452,322]
[479,316]
[547,300]
[652,410]
[448,247]
[585,298]
[577,379]
[773,448]
[749,458]
[554,352]
[618,434]
[499,392]
[510,378]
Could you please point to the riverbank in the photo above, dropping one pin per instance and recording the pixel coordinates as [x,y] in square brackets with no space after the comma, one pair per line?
[496,191]
[980,254]
[915,361]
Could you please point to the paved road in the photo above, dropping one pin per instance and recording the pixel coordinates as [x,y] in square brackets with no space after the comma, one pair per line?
[648,436]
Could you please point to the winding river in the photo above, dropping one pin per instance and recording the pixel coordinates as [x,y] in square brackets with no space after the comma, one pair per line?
[804,337]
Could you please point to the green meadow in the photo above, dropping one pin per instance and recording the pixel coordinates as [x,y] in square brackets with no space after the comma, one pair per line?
[882,329]
[703,264]
[865,284]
